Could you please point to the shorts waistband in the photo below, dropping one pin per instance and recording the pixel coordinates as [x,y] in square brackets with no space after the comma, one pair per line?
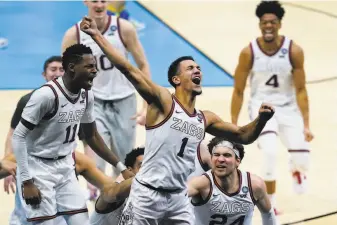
[159,189]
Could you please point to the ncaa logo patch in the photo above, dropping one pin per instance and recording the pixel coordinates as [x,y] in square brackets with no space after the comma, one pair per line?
[284,51]
[199,117]
[245,189]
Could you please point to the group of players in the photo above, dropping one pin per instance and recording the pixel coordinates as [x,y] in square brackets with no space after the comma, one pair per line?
[176,178]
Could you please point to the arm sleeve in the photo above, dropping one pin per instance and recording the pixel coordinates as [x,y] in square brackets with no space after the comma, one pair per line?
[40,103]
[269,218]
[88,116]
[18,111]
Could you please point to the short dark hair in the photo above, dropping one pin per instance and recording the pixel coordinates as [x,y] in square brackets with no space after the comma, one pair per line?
[273,7]
[217,140]
[73,54]
[174,68]
[54,58]
[132,156]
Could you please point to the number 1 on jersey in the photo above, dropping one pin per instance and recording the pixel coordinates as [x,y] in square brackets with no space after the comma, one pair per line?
[182,147]
[273,81]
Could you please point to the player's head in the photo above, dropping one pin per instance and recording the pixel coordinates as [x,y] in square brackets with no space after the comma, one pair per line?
[96,9]
[52,68]
[270,14]
[79,63]
[134,159]
[185,73]
[226,156]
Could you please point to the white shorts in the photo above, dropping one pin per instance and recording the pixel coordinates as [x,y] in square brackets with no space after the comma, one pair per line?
[146,206]
[59,187]
[287,122]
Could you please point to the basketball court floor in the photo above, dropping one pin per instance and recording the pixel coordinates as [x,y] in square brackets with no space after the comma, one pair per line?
[221,30]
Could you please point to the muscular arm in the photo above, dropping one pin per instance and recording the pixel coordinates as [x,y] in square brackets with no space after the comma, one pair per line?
[69,38]
[244,135]
[87,168]
[262,201]
[115,192]
[198,187]
[8,160]
[240,78]
[297,57]
[8,142]
[134,46]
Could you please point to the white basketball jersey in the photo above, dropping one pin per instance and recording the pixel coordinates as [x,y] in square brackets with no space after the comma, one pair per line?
[110,216]
[271,77]
[56,133]
[110,83]
[199,167]
[224,208]
[170,149]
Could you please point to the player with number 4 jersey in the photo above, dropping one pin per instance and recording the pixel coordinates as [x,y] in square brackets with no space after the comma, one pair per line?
[275,65]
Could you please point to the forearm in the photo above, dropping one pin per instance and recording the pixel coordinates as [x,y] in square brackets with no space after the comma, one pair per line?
[20,151]
[236,105]
[97,144]
[8,143]
[249,133]
[268,218]
[303,104]
[117,191]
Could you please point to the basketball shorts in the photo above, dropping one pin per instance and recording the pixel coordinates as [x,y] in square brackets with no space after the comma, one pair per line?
[59,187]
[146,206]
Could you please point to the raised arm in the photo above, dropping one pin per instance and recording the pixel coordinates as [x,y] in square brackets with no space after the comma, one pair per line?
[240,78]
[244,135]
[149,91]
[262,201]
[297,57]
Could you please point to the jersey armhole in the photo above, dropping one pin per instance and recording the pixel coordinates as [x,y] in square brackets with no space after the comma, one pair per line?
[251,189]
[86,99]
[50,115]
[164,120]
[120,32]
[204,201]
[110,207]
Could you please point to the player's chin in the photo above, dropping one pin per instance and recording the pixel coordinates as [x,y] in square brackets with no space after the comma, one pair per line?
[197,91]
[221,172]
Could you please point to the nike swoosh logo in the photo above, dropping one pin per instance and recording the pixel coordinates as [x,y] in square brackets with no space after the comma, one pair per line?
[64,105]
[178,111]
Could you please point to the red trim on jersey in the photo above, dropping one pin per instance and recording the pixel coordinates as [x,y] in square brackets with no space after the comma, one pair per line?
[107,26]
[252,51]
[120,33]
[202,164]
[41,218]
[204,201]
[77,34]
[65,94]
[205,124]
[86,99]
[224,191]
[189,114]
[72,212]
[298,150]
[164,121]
[289,53]
[268,132]
[56,105]
[251,188]
[270,54]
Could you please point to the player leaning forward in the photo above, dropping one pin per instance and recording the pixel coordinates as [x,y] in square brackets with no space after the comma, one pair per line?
[44,140]
[174,131]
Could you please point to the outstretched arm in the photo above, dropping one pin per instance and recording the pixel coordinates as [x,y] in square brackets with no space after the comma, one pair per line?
[198,186]
[145,87]
[115,192]
[243,135]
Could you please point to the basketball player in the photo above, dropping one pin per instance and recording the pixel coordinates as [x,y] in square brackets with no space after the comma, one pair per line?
[225,194]
[115,97]
[45,138]
[109,212]
[52,69]
[275,66]
[84,166]
[174,131]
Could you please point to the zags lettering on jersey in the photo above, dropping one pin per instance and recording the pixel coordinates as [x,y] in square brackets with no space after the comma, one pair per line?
[187,128]
[71,116]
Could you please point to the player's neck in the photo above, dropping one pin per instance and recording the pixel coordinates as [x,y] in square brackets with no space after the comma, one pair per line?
[68,85]
[271,46]
[102,23]
[187,100]
[230,183]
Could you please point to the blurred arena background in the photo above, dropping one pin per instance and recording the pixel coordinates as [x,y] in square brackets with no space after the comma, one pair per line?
[214,32]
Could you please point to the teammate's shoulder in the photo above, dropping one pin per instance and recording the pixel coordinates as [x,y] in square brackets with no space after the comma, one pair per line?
[295,48]
[46,91]
[24,99]
[257,183]
[247,50]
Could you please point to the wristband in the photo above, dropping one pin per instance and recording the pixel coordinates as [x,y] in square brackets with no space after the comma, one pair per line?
[121,167]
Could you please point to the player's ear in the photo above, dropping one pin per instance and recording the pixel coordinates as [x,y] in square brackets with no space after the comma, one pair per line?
[176,80]
[71,67]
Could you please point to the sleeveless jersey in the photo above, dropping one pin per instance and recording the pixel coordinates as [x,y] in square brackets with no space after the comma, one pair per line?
[199,167]
[224,208]
[171,149]
[55,134]
[109,216]
[110,83]
[271,77]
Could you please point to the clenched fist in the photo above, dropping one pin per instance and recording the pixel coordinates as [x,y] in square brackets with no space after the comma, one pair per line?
[266,112]
[89,26]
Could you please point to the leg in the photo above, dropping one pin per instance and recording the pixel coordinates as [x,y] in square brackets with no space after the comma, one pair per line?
[81,218]
[69,197]
[182,211]
[121,127]
[293,138]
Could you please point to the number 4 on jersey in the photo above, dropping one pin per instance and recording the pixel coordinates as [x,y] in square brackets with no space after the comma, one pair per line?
[273,81]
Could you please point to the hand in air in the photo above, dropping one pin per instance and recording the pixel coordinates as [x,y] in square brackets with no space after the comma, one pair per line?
[89,26]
